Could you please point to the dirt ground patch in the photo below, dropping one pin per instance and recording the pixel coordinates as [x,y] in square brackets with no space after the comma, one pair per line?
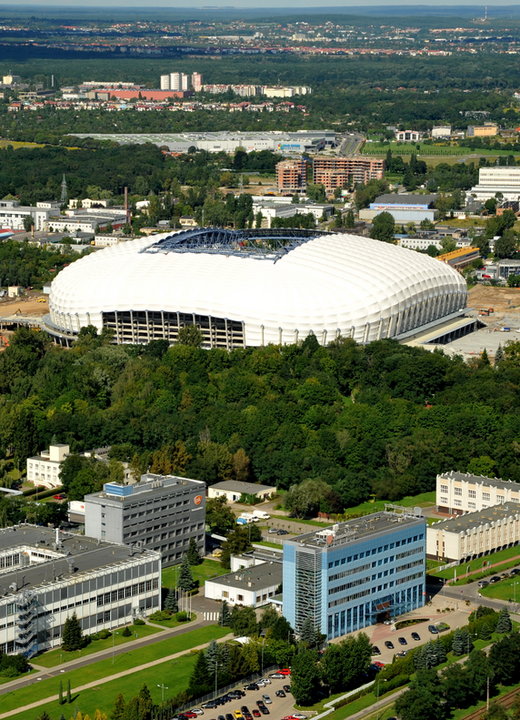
[502,300]
[28,305]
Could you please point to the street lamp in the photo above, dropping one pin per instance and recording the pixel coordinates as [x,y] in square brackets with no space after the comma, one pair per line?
[163,688]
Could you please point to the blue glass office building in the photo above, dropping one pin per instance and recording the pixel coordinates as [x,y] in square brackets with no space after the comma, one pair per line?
[354,574]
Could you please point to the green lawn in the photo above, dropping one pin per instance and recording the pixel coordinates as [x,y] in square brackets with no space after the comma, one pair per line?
[422,500]
[375,148]
[171,623]
[58,656]
[104,668]
[479,563]
[206,570]
[508,589]
[173,674]
[318,523]
[266,543]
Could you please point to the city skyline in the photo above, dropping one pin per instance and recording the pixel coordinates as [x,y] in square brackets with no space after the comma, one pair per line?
[253,5]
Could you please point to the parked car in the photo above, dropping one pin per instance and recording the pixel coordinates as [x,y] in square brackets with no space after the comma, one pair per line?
[267,699]
[416,636]
[256,712]
[197,711]
[264,710]
[389,644]
[210,704]
[495,579]
[433,629]
[280,693]
[237,714]
[514,571]
[272,531]
[402,641]
[260,703]
[252,686]
[299,716]
[282,532]
[276,676]
[245,709]
[483,583]
[287,688]
[229,716]
[285,671]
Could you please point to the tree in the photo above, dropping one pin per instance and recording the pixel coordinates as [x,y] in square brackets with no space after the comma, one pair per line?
[305,677]
[190,335]
[349,220]
[455,688]
[212,657]
[69,692]
[171,603]
[310,635]
[462,642]
[504,624]
[28,223]
[119,711]
[513,280]
[243,621]
[478,675]
[193,554]
[383,227]
[316,193]
[225,615]
[504,659]
[238,541]
[72,636]
[61,699]
[186,581]
[309,497]
[495,712]
[219,516]
[331,666]
[422,699]
[281,630]
[200,680]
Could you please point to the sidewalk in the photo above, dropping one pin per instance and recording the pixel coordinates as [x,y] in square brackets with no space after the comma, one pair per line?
[109,678]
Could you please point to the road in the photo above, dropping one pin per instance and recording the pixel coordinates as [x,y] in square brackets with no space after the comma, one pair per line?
[350,144]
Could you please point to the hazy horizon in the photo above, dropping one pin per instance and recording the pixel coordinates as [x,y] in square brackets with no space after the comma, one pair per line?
[254,5]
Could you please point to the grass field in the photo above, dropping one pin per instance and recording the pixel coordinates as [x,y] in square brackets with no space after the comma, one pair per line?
[318,523]
[206,570]
[375,148]
[172,623]
[55,657]
[422,500]
[18,144]
[119,663]
[508,589]
[173,674]
[479,564]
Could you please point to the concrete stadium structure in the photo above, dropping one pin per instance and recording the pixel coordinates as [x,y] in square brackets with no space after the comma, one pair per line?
[253,287]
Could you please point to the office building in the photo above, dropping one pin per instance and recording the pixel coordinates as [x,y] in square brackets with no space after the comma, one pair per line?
[356,573]
[486,130]
[14,216]
[408,135]
[504,180]
[47,575]
[161,512]
[291,176]
[334,172]
[474,534]
[458,493]
[441,132]
[44,469]
[252,587]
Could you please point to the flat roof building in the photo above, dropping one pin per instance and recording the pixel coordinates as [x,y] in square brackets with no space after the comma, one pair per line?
[474,534]
[47,575]
[458,493]
[493,180]
[234,489]
[291,175]
[161,512]
[253,586]
[355,573]
[44,469]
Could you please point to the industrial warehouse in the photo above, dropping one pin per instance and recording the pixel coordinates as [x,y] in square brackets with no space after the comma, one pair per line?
[254,287]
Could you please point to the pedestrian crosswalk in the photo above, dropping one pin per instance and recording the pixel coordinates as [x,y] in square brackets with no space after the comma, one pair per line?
[211,615]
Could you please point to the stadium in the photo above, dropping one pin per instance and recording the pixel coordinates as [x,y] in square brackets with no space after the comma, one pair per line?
[253,287]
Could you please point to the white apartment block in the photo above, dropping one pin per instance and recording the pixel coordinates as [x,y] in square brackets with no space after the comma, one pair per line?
[47,575]
[474,534]
[458,493]
[44,469]
[505,180]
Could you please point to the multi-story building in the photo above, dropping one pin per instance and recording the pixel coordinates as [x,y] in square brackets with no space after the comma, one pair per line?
[356,573]
[196,81]
[334,172]
[408,135]
[44,469]
[486,130]
[13,215]
[504,180]
[291,175]
[161,512]
[475,534]
[458,493]
[47,575]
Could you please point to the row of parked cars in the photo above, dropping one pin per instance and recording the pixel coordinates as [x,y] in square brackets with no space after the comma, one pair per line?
[244,713]
[497,578]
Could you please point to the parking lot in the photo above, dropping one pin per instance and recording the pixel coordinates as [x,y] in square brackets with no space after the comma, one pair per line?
[277,707]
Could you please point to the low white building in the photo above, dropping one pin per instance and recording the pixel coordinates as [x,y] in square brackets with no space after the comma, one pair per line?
[458,493]
[253,586]
[441,132]
[13,215]
[233,490]
[44,469]
[474,534]
[48,575]
[493,180]
[87,203]
[271,210]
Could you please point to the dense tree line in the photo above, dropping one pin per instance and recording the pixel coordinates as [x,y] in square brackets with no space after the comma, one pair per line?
[382,419]
[28,265]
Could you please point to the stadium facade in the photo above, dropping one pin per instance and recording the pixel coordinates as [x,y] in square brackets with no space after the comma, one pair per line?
[253,287]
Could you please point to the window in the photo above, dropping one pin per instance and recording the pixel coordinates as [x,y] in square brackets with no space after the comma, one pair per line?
[457,491]
[472,493]
[500,498]
[486,496]
[444,488]
[471,505]
[457,503]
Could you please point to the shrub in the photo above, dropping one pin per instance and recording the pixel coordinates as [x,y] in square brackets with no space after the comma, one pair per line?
[104,634]
[126,632]
[138,621]
[182,616]
[161,615]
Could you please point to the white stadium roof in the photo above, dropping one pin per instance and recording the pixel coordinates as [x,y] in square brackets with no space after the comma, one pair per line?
[240,291]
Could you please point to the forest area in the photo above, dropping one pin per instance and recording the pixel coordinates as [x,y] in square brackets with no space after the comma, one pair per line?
[378,420]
